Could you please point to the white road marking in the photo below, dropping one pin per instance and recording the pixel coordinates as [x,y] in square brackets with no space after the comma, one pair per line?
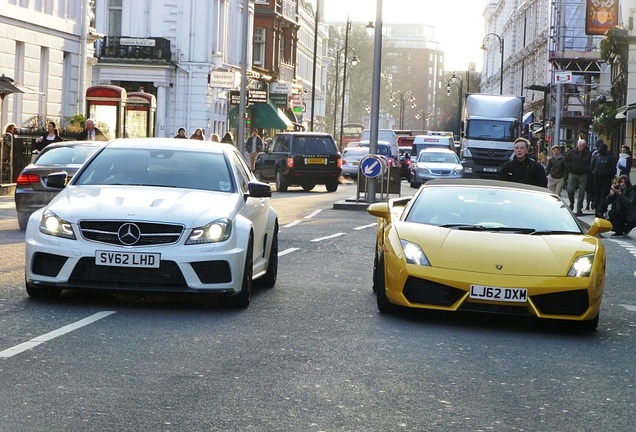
[313,214]
[287,251]
[52,335]
[630,308]
[291,224]
[327,238]
[365,226]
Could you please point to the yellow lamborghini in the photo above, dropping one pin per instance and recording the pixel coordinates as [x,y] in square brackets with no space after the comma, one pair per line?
[488,246]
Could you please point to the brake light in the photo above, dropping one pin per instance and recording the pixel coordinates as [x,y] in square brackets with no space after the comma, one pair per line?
[290,162]
[27,179]
[339,162]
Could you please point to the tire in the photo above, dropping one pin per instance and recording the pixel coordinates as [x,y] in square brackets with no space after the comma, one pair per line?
[268,280]
[242,299]
[281,182]
[375,269]
[332,185]
[23,219]
[590,325]
[309,187]
[42,292]
[384,305]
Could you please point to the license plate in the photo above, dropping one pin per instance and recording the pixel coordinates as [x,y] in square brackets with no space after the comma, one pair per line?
[355,163]
[127,259]
[517,295]
[490,169]
[321,161]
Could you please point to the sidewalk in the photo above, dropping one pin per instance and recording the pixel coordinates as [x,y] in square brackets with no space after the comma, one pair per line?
[7,207]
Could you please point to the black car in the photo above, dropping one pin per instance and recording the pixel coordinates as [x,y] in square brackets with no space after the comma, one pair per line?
[300,158]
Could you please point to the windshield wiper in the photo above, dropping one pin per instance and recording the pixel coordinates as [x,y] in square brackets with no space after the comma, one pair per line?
[482,227]
[552,232]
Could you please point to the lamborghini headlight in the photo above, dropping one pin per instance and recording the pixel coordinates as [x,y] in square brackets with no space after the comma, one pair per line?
[414,254]
[51,224]
[582,266]
[214,232]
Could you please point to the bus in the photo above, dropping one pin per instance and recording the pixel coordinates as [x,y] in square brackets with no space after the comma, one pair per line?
[351,132]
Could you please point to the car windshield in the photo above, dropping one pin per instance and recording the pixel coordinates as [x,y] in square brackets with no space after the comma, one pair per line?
[65,155]
[438,157]
[162,168]
[356,151]
[492,208]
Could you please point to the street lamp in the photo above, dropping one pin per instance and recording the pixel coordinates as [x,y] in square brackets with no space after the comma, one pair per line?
[354,61]
[411,99]
[501,50]
[460,87]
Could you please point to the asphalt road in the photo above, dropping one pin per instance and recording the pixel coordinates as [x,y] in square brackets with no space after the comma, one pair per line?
[311,354]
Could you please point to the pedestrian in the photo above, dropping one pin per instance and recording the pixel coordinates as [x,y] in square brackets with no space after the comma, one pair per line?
[7,145]
[91,133]
[181,133]
[577,165]
[49,137]
[624,164]
[198,135]
[622,197]
[521,168]
[555,169]
[215,137]
[228,138]
[253,146]
[603,171]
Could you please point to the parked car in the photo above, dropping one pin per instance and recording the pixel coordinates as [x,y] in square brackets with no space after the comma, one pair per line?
[155,215]
[300,159]
[435,163]
[488,246]
[351,157]
[31,190]
[385,149]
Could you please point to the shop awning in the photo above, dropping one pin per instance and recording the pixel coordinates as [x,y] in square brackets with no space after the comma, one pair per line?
[621,113]
[269,116]
[264,116]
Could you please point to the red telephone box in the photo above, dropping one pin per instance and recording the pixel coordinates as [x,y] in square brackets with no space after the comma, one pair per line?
[106,104]
[140,115]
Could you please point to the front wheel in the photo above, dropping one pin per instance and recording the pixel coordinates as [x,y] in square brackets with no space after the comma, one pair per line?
[268,280]
[242,300]
[384,305]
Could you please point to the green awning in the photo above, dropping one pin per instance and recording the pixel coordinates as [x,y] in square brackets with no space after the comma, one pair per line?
[264,116]
[269,116]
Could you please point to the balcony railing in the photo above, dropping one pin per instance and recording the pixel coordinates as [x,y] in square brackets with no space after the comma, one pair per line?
[117,48]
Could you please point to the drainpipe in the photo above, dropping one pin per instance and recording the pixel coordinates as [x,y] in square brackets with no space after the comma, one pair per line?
[81,100]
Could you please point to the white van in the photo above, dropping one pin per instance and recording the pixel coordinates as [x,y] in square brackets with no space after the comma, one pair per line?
[387,135]
[422,142]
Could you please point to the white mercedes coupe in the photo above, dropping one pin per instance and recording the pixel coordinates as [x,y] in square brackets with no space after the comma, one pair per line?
[155,215]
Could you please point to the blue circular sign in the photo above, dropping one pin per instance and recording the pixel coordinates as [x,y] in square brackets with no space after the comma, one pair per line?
[373,166]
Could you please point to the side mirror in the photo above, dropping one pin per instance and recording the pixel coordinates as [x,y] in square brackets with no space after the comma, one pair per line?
[259,190]
[57,180]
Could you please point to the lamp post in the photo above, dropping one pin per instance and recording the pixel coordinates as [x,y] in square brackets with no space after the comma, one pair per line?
[354,61]
[408,93]
[501,50]
[460,87]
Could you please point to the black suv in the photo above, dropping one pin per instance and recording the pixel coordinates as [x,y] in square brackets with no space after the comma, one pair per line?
[300,158]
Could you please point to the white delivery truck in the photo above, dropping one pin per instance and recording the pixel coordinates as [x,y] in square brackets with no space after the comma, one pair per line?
[491,123]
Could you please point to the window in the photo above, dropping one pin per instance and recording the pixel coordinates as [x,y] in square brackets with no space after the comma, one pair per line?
[281,54]
[259,46]
[114,17]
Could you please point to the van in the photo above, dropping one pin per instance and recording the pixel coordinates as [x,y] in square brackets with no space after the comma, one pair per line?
[387,135]
[422,142]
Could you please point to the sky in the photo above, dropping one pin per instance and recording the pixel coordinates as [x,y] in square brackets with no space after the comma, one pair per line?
[459,23]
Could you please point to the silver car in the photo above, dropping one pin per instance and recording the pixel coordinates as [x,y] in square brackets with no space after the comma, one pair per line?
[435,164]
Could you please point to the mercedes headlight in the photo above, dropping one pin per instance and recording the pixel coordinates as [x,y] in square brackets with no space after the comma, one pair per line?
[214,232]
[414,254]
[582,266]
[51,224]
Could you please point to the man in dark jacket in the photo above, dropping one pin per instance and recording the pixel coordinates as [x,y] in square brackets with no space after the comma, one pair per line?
[521,168]
[91,133]
[577,163]
[556,170]
[603,170]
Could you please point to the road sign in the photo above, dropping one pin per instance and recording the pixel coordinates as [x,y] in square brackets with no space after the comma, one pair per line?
[562,77]
[373,166]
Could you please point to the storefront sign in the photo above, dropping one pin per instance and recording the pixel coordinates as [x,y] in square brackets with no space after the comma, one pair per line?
[222,79]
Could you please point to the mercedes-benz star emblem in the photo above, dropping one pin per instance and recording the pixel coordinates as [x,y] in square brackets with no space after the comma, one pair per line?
[129,234]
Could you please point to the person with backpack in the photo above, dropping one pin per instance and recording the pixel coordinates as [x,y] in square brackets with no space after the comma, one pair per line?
[603,169]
